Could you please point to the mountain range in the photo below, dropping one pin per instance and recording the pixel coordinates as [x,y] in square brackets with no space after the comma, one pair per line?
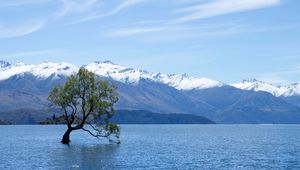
[25,87]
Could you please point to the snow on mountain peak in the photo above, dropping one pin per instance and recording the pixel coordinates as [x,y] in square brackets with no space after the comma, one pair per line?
[4,64]
[127,75]
[251,81]
[294,89]
[117,72]
[108,69]
[47,69]
[42,71]
[275,90]
[19,64]
[133,76]
[186,82]
[107,62]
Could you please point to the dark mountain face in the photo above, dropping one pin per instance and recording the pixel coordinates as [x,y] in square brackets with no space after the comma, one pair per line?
[147,117]
[150,95]
[240,106]
[295,100]
[261,107]
[25,93]
[142,117]
[4,122]
[220,97]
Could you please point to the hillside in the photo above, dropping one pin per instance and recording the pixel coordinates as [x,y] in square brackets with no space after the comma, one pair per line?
[24,90]
[144,117]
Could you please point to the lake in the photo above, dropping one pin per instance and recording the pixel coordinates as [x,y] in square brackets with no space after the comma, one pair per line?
[153,147]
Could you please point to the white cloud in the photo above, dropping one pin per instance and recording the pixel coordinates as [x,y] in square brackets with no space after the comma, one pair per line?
[37,53]
[20,30]
[222,7]
[70,6]
[134,31]
[125,4]
[210,30]
[12,3]
[201,10]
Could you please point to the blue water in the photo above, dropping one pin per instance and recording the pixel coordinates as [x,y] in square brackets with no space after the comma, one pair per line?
[154,147]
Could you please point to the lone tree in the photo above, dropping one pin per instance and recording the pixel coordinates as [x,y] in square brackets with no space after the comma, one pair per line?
[89,100]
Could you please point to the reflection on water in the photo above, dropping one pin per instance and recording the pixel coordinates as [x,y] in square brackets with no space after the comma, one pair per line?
[99,155]
[154,147]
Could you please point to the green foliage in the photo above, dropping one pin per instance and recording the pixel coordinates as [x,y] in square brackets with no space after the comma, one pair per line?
[90,99]
[59,120]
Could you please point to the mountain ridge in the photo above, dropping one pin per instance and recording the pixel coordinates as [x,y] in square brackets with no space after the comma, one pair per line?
[141,90]
[110,70]
[132,76]
[292,89]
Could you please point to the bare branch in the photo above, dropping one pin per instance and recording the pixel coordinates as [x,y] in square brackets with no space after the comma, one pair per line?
[72,114]
[92,126]
[67,117]
[95,135]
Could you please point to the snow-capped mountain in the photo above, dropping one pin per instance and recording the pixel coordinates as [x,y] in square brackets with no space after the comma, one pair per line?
[295,87]
[186,82]
[117,72]
[133,76]
[41,71]
[276,90]
[24,89]
[3,64]
[109,70]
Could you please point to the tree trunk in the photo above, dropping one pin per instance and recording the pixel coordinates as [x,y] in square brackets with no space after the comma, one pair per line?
[66,137]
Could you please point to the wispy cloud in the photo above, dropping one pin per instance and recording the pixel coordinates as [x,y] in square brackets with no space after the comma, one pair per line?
[28,27]
[201,10]
[222,7]
[194,31]
[70,6]
[125,4]
[87,10]
[134,31]
[37,53]
[20,30]
[13,3]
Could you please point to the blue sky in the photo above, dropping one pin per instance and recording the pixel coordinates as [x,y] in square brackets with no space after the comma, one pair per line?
[226,40]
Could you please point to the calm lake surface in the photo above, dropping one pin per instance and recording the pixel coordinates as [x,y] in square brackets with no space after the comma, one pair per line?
[154,147]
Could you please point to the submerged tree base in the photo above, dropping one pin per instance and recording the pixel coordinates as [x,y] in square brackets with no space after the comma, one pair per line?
[66,138]
[66,142]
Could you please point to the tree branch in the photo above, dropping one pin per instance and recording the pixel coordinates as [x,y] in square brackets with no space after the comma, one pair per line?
[84,119]
[92,126]
[95,135]
[72,114]
[67,117]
